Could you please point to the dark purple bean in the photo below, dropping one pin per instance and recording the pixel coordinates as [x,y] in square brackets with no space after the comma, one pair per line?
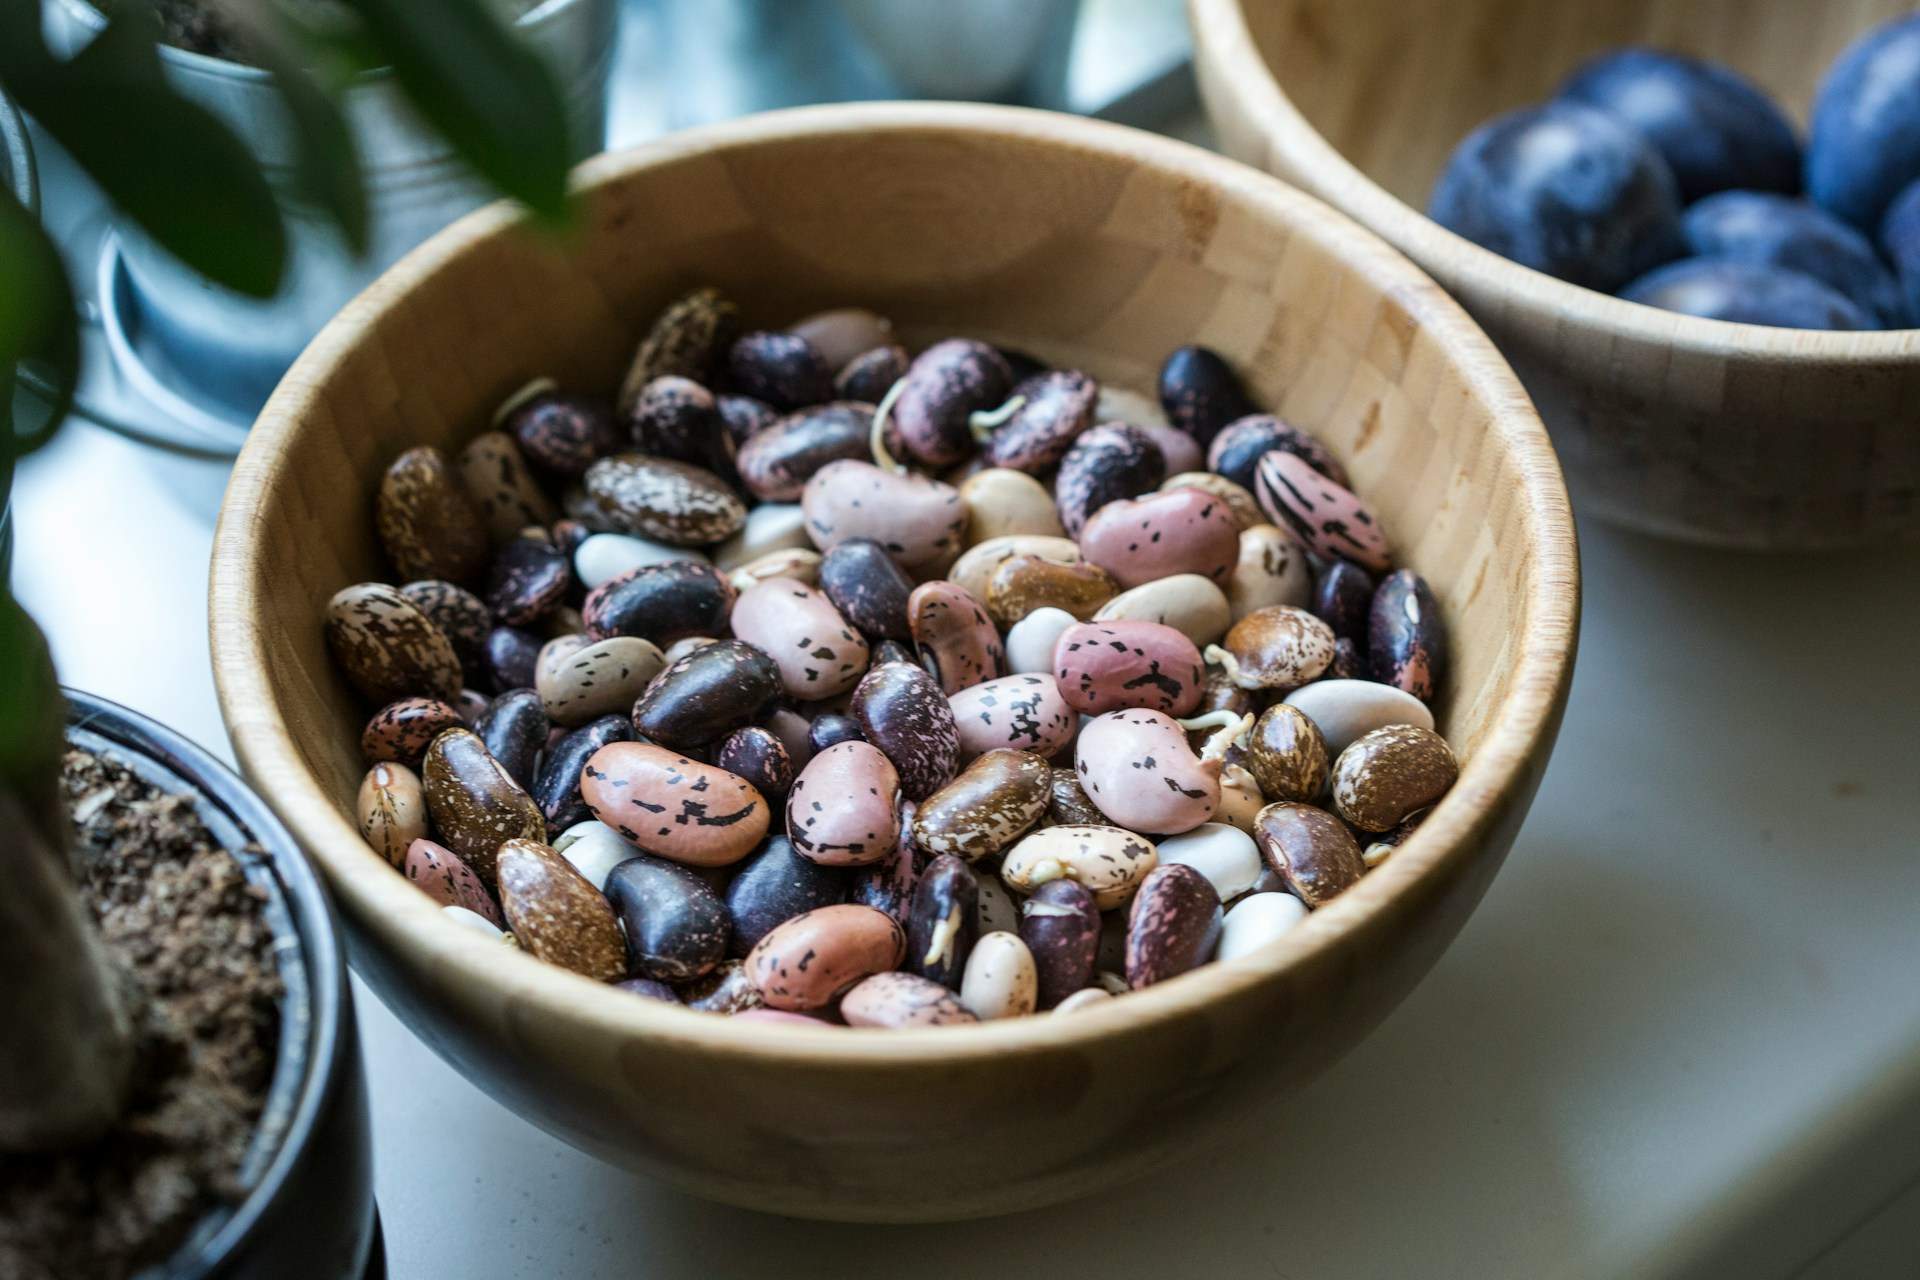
[529,579]
[868,587]
[943,921]
[564,434]
[1349,662]
[1059,407]
[902,711]
[871,374]
[1107,463]
[707,694]
[1407,636]
[1061,926]
[1342,596]
[511,657]
[773,886]
[514,728]
[676,925]
[777,462]
[945,385]
[782,369]
[660,602]
[1201,393]
[557,789]
[745,417]
[888,885]
[648,989]
[1172,925]
[677,418]
[892,651]
[758,756]
[1236,451]
[830,728]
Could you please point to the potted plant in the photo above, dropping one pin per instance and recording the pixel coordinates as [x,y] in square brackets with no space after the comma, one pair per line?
[179,1086]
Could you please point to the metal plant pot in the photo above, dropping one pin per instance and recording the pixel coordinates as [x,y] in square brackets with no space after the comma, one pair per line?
[308,1213]
[415,186]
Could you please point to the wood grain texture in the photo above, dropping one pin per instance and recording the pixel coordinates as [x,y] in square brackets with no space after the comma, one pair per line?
[1683,427]
[1093,246]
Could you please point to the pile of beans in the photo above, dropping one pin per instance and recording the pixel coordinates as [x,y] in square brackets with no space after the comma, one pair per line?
[811,680]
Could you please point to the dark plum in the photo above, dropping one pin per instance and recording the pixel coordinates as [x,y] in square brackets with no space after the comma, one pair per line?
[1746,293]
[830,729]
[1716,130]
[1201,393]
[1779,231]
[557,789]
[775,885]
[1899,240]
[1563,189]
[782,369]
[1236,452]
[1864,146]
[677,418]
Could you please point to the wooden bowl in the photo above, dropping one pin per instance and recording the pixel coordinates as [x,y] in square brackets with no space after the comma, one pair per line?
[1678,426]
[1091,245]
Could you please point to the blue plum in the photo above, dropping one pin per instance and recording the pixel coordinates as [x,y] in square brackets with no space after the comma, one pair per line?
[1780,231]
[1864,146]
[1900,240]
[1715,129]
[1563,189]
[1746,293]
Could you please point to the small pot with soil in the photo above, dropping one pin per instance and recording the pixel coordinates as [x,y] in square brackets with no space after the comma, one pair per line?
[180,1089]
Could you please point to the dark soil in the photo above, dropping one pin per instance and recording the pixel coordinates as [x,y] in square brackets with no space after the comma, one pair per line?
[178,914]
[198,25]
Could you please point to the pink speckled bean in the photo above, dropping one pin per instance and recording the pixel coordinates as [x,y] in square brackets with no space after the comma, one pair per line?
[955,636]
[1138,769]
[903,1000]
[1142,540]
[1107,666]
[844,808]
[808,961]
[1327,517]
[818,653]
[1024,712]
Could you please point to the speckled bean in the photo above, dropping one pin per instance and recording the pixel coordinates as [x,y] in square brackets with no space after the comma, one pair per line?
[1240,798]
[943,387]
[400,731]
[494,474]
[1311,850]
[1109,862]
[1328,517]
[688,338]
[1023,584]
[557,788]
[674,807]
[597,679]
[514,731]
[1023,712]
[782,369]
[1172,924]
[1279,647]
[1056,406]
[1286,755]
[844,809]
[1200,392]
[956,640]
[1067,803]
[1137,768]
[1141,540]
[1236,452]
[987,807]
[897,1000]
[975,568]
[920,521]
[1389,773]
[475,803]
[562,434]
[776,463]
[1407,636]
[809,961]
[1109,666]
[1271,570]
[1346,709]
[902,711]
[555,915]
[392,808]
[759,756]
[437,871]
[1060,924]
[426,521]
[1107,463]
[819,654]
[387,647]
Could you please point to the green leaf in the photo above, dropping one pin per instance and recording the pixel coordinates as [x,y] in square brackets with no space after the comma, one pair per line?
[37,318]
[169,164]
[483,89]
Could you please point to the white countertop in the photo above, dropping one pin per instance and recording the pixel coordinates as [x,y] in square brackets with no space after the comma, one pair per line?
[1681,1036]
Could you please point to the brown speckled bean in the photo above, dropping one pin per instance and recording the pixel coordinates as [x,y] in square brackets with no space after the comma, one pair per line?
[400,731]
[809,961]
[1021,584]
[1286,754]
[672,806]
[426,521]
[990,805]
[556,915]
[1391,772]
[1312,851]
[1068,804]
[1279,647]
[688,338]
[387,647]
[975,568]
[475,803]
[496,478]
[673,502]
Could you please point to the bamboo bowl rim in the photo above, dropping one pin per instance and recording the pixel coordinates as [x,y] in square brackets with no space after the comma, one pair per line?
[1222,36]
[382,901]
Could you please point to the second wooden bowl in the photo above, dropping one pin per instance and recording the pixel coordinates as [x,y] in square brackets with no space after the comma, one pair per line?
[1093,246]
[1683,427]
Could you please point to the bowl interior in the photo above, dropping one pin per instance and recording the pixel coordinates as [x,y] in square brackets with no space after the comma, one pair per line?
[1086,244]
[1395,86]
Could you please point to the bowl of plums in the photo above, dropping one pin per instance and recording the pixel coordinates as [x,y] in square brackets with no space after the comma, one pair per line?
[1693,226]
[924,661]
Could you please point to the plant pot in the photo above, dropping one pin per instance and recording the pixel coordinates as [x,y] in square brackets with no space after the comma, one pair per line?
[415,186]
[308,1213]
